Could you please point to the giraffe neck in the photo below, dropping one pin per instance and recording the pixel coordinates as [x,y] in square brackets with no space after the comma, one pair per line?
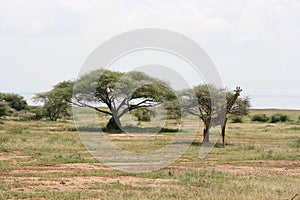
[231,101]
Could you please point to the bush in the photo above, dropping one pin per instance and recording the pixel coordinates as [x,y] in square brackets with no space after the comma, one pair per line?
[142,114]
[237,119]
[5,110]
[279,118]
[15,101]
[260,118]
[25,115]
[38,111]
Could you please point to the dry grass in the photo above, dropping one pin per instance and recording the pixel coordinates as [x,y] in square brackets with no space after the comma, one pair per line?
[46,160]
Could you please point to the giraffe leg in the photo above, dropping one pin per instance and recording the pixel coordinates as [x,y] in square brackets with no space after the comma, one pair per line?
[223,132]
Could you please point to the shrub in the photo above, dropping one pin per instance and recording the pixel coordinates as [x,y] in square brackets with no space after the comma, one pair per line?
[15,101]
[25,115]
[279,118]
[237,119]
[38,111]
[260,118]
[142,114]
[5,109]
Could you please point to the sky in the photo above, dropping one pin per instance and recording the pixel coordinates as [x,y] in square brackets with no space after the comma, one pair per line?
[253,43]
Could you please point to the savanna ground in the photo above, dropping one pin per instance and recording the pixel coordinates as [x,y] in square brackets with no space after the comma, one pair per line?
[46,160]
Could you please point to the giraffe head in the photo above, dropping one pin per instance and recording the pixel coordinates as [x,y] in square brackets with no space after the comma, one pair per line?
[238,91]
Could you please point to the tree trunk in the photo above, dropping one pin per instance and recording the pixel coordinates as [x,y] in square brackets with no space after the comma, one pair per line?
[206,136]
[113,124]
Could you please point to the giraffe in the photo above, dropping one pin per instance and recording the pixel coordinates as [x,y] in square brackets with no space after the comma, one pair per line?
[219,117]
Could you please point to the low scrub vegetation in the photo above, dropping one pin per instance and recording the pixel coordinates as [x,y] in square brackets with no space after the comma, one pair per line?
[237,119]
[260,118]
[277,117]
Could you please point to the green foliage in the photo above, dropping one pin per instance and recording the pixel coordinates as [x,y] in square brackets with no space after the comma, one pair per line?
[4,109]
[173,109]
[38,111]
[121,92]
[260,118]
[237,119]
[279,118]
[142,114]
[202,100]
[241,106]
[25,115]
[15,101]
[205,99]
[57,101]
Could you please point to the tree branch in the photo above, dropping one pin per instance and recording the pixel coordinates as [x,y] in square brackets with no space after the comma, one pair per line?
[80,104]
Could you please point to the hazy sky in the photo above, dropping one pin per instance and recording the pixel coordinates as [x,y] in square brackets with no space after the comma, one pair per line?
[254,43]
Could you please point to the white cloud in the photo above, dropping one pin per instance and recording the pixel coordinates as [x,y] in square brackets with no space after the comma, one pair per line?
[247,39]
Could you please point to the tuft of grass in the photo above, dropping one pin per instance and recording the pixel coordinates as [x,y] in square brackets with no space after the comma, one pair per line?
[4,139]
[15,131]
[65,158]
[294,128]
[296,143]
[202,178]
[248,147]
[117,186]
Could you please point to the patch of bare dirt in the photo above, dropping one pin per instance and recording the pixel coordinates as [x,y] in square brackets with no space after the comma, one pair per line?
[12,156]
[295,163]
[78,183]
[86,166]
[65,184]
[256,170]
[59,168]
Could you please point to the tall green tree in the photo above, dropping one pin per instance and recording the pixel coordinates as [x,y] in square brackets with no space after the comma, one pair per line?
[57,101]
[15,101]
[204,99]
[120,92]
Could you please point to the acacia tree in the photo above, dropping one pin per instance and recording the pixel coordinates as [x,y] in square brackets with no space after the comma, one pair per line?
[198,101]
[204,99]
[15,101]
[57,101]
[120,92]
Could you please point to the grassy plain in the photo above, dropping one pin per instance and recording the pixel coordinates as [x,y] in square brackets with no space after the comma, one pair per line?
[46,160]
